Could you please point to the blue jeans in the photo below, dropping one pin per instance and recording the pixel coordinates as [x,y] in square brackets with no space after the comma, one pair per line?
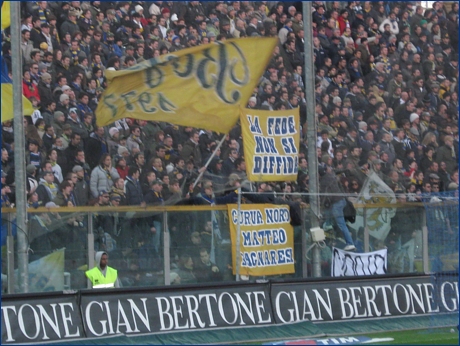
[336,211]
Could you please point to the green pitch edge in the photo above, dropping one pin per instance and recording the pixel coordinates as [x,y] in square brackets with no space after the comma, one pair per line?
[354,327]
[277,332]
[212,336]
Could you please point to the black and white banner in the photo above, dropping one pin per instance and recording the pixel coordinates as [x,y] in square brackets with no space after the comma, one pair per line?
[362,299]
[101,313]
[41,319]
[173,311]
[346,263]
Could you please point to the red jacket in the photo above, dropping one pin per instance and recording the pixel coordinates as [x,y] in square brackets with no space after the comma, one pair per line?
[29,90]
[123,172]
[343,24]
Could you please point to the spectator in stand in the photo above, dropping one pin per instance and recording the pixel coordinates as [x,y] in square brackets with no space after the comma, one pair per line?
[46,189]
[81,188]
[191,149]
[448,154]
[103,176]
[133,188]
[64,195]
[96,146]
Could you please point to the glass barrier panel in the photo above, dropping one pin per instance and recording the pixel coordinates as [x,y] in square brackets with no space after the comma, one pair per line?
[58,242]
[134,243]
[200,247]
[442,230]
[198,243]
[394,227]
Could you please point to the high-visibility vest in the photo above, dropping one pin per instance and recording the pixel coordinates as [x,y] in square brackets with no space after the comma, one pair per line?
[100,281]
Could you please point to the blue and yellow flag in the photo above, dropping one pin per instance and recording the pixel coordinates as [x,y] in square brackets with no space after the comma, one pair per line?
[271,144]
[202,86]
[266,239]
[5,15]
[7,95]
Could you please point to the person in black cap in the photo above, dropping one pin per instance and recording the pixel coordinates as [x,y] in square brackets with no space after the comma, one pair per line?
[42,36]
[225,28]
[359,20]
[191,41]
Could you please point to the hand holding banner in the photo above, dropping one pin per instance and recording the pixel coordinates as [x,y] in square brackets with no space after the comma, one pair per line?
[202,86]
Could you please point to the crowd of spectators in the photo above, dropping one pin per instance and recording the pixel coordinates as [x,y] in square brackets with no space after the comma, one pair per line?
[386,88]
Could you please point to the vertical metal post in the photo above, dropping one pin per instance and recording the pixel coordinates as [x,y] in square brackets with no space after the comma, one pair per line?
[304,245]
[366,239]
[10,255]
[19,150]
[166,250]
[309,72]
[90,246]
[238,236]
[426,259]
[366,231]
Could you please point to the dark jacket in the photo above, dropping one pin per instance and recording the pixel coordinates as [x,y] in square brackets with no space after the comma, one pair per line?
[444,154]
[46,94]
[133,192]
[95,147]
[191,149]
[82,192]
[69,27]
[329,184]
[60,69]
[154,198]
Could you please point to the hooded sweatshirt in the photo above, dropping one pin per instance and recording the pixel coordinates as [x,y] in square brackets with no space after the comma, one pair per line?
[104,271]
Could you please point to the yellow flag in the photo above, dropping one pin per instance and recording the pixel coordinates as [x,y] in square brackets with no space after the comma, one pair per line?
[202,86]
[266,239]
[7,103]
[271,144]
[6,15]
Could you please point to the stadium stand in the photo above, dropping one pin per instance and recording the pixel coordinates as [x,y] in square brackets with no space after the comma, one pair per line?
[386,88]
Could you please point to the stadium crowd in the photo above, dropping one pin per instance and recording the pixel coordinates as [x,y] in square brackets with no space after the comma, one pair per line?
[386,87]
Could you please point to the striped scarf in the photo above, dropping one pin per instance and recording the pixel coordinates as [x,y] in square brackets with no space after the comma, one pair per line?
[42,16]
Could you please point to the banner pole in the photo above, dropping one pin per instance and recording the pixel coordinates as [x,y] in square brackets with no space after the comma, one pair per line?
[309,72]
[209,160]
[238,236]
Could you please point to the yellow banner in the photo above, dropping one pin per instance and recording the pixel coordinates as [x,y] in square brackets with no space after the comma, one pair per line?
[271,144]
[6,15]
[7,103]
[202,86]
[266,239]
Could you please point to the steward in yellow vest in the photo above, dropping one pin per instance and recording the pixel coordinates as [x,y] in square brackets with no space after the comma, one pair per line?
[102,276]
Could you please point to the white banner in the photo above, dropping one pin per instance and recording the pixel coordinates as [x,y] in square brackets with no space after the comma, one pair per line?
[346,263]
[378,220]
[47,273]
